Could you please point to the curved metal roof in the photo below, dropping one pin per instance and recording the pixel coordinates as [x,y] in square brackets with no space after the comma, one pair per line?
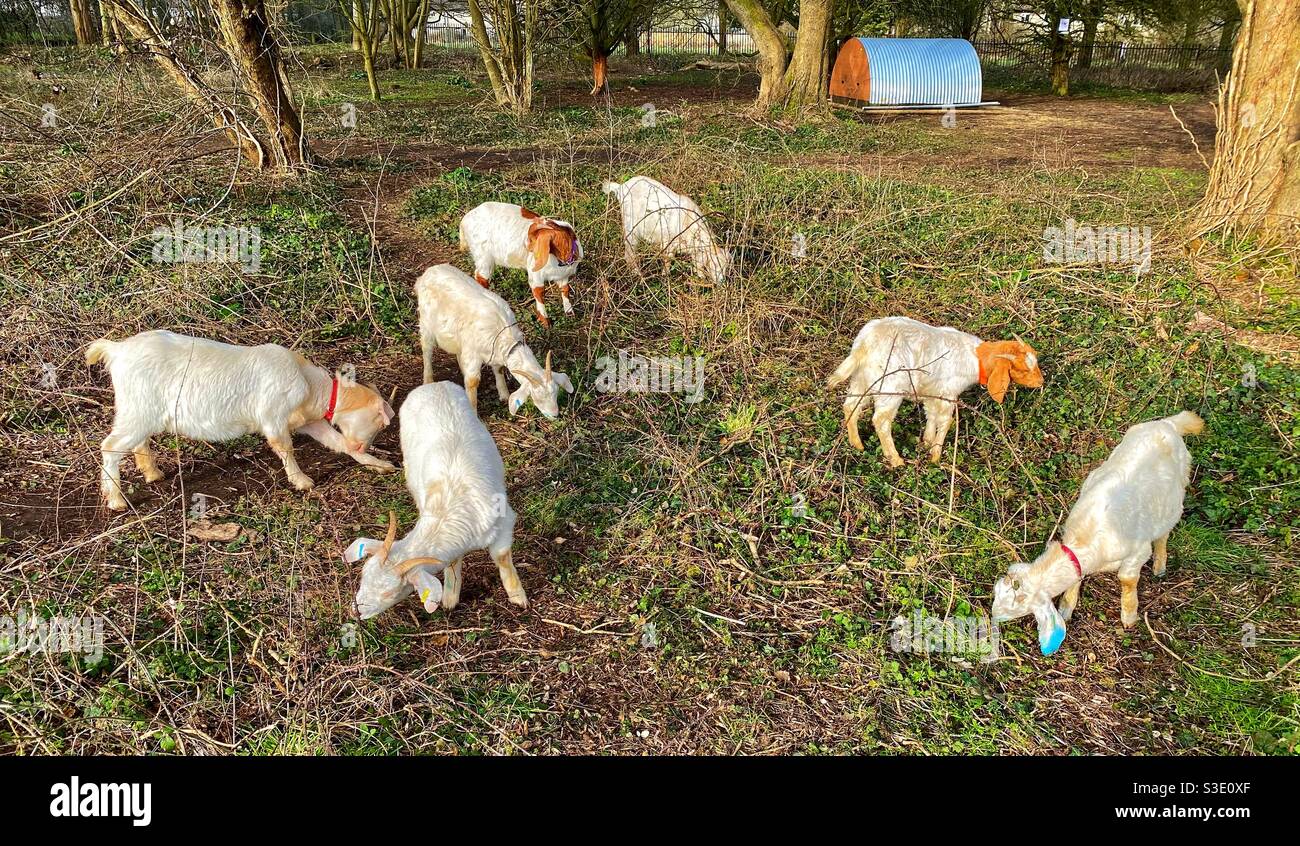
[923,71]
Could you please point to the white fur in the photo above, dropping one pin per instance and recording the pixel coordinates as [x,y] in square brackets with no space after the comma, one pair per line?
[897,358]
[496,235]
[655,214]
[455,475]
[465,319]
[210,391]
[1128,503]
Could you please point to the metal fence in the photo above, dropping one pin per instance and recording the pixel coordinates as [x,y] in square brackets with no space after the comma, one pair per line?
[455,37]
[655,42]
[1138,64]
[1103,56]
[695,41]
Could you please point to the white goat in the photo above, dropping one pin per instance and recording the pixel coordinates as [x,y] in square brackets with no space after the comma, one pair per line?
[507,235]
[455,475]
[897,358]
[478,327]
[1128,503]
[657,215]
[210,391]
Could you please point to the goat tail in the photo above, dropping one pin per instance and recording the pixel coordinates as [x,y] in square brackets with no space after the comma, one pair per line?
[611,187]
[98,351]
[1187,423]
[847,367]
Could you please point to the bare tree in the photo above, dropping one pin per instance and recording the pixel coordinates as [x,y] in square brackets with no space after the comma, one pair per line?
[84,24]
[789,79]
[771,46]
[255,53]
[509,58]
[1254,184]
[363,17]
[140,26]
[600,25]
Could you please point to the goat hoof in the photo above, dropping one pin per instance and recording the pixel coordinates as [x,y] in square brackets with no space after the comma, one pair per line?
[384,467]
[155,476]
[116,504]
[521,601]
[1129,622]
[894,463]
[302,482]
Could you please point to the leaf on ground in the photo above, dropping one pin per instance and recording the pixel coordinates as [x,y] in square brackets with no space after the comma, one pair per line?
[207,531]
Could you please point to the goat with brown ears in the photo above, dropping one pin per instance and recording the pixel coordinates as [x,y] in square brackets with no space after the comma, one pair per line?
[897,358]
[507,235]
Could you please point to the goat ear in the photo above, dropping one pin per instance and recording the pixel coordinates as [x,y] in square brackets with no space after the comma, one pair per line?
[386,411]
[999,379]
[564,382]
[517,399]
[539,244]
[359,549]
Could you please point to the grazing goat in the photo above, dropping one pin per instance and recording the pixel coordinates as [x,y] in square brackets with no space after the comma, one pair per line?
[455,475]
[210,391]
[661,217]
[478,327]
[1131,501]
[897,358]
[506,235]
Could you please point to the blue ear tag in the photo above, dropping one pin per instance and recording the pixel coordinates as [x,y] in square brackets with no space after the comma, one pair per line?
[1051,628]
[518,404]
[1051,640]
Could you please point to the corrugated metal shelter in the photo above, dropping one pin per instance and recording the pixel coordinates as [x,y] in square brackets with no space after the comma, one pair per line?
[908,71]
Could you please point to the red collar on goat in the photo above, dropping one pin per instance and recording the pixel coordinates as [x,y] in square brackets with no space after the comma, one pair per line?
[1074,559]
[334,398]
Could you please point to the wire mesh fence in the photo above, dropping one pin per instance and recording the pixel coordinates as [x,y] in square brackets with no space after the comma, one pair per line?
[701,40]
[1103,55]
[687,41]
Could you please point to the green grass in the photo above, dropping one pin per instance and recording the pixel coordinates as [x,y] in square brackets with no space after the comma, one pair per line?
[769,557]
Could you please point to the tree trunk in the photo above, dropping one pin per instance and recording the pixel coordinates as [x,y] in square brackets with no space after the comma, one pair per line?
[1254,183]
[771,49]
[479,28]
[599,74]
[255,54]
[421,32]
[1092,18]
[107,26]
[632,41]
[363,19]
[806,79]
[134,21]
[722,28]
[509,63]
[368,63]
[1190,26]
[1227,35]
[83,21]
[1060,58]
